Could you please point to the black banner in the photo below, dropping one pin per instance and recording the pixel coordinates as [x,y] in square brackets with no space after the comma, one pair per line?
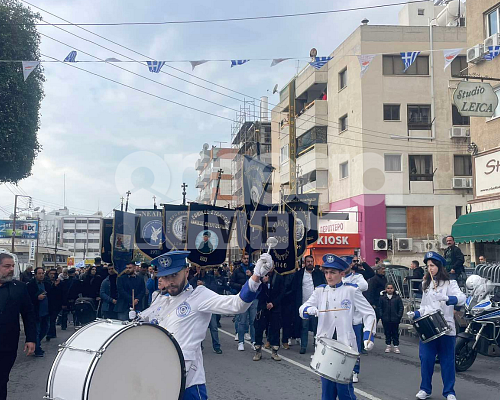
[208,234]
[282,227]
[313,201]
[243,230]
[149,236]
[175,226]
[106,233]
[305,207]
[123,239]
[256,179]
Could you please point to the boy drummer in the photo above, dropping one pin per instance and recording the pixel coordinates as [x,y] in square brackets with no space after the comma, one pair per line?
[338,324]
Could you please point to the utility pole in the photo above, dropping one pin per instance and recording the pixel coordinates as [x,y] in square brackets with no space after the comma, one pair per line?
[121,207]
[292,136]
[55,248]
[37,238]
[14,220]
[126,204]
[154,202]
[219,176]
[184,186]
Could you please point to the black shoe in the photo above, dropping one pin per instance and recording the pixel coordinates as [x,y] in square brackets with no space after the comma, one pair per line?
[39,354]
[302,350]
[63,329]
[48,339]
[217,351]
[219,325]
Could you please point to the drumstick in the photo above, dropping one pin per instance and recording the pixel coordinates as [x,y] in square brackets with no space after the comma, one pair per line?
[133,301]
[334,309]
[371,331]
[432,279]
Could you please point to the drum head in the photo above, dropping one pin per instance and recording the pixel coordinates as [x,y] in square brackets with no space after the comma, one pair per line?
[142,362]
[336,345]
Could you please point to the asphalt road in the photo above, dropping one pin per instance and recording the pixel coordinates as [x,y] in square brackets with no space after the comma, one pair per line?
[234,376]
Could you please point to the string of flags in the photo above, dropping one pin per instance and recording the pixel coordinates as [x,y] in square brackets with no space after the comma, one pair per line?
[365,60]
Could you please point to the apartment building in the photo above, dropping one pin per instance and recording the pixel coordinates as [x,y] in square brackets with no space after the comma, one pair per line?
[81,235]
[386,151]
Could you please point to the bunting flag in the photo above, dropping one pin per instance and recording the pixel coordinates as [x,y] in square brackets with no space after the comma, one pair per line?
[194,64]
[276,61]
[305,208]
[123,239]
[71,57]
[149,236]
[208,234]
[449,56]
[175,226]
[282,227]
[364,62]
[155,66]
[319,62]
[234,63]
[106,238]
[28,67]
[493,52]
[409,58]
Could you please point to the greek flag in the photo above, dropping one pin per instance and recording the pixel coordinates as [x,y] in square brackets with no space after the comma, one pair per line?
[493,52]
[155,66]
[71,57]
[234,63]
[409,58]
[319,62]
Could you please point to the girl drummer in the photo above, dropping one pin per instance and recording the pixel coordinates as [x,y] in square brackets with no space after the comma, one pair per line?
[439,294]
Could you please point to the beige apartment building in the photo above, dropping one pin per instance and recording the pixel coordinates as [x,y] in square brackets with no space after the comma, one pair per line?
[387,151]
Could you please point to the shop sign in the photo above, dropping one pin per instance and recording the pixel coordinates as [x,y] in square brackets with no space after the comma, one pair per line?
[340,241]
[487,174]
[475,99]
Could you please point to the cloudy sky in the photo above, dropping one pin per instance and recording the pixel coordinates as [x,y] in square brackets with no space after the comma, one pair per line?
[106,138]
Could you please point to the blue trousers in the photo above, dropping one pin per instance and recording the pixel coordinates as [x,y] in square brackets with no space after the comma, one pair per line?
[195,392]
[214,332]
[443,346]
[247,319]
[358,330]
[42,327]
[309,324]
[331,390]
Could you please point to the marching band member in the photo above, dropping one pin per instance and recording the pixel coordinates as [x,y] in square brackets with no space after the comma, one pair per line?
[338,325]
[439,293]
[186,312]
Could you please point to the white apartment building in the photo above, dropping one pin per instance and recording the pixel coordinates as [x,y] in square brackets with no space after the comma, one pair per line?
[81,234]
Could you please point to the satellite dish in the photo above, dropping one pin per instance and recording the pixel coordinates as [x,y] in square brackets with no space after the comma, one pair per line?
[313,53]
[275,89]
[205,146]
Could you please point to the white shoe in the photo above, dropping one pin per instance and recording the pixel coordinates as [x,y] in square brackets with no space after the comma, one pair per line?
[388,349]
[289,342]
[236,337]
[253,346]
[355,378]
[247,336]
[422,395]
[297,341]
[241,346]
[451,397]
[396,350]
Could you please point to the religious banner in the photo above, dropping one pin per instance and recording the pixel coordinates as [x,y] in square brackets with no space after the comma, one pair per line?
[303,207]
[208,234]
[282,227]
[256,178]
[174,223]
[149,237]
[123,239]
[243,230]
[106,235]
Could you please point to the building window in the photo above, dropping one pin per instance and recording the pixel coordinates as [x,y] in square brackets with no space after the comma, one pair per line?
[342,79]
[496,114]
[396,222]
[457,118]
[420,167]
[393,65]
[391,112]
[492,21]
[421,11]
[392,162]
[314,135]
[462,165]
[458,212]
[343,123]
[459,66]
[344,170]
[284,154]
[419,117]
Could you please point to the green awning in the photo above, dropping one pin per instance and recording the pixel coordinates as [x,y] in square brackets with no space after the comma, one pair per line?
[480,226]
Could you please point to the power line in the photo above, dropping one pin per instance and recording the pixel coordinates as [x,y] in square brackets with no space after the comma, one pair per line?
[233,19]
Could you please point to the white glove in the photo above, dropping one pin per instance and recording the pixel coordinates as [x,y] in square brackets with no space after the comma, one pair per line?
[131,315]
[440,296]
[369,345]
[411,315]
[312,311]
[264,265]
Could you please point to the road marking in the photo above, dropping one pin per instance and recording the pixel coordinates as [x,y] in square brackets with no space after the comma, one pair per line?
[305,367]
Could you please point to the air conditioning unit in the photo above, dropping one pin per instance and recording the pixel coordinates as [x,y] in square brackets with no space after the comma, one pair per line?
[475,54]
[380,244]
[442,242]
[462,183]
[405,244]
[459,132]
[493,40]
[431,245]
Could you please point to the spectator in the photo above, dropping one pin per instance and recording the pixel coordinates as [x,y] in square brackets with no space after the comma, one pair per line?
[63,275]
[38,289]
[415,279]
[152,285]
[151,271]
[288,311]
[55,302]
[454,259]
[143,273]
[109,294]
[359,266]
[269,314]
[129,284]
[27,274]
[376,285]
[482,260]
[71,290]
[14,301]
[102,271]
[92,284]
[391,312]
[305,281]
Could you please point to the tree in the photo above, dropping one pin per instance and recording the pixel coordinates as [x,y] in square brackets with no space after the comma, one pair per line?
[19,101]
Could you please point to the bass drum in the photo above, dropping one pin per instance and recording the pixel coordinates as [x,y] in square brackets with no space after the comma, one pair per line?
[107,360]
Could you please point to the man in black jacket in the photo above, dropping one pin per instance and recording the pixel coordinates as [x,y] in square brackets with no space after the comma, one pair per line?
[359,266]
[55,302]
[38,289]
[71,290]
[415,278]
[14,300]
[454,259]
[376,285]
[129,286]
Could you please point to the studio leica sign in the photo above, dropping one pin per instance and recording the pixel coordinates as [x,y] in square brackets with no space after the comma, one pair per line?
[475,99]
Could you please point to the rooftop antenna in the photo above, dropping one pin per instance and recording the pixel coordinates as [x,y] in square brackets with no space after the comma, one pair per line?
[64,191]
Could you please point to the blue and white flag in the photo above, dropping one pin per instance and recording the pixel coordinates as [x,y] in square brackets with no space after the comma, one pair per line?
[155,66]
[234,63]
[409,58]
[319,62]
[81,264]
[71,57]
[493,52]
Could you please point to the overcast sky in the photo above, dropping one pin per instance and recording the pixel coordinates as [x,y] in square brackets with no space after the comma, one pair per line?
[106,138]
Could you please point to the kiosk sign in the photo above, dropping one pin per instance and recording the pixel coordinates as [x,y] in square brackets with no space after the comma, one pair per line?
[475,99]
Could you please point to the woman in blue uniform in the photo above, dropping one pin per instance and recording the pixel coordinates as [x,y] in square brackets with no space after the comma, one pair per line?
[439,293]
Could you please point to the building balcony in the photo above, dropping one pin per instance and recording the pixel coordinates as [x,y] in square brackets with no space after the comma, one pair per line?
[314,113]
[313,158]
[310,79]
[199,165]
[204,156]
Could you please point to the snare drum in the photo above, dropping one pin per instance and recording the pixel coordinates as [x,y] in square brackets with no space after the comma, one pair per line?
[431,326]
[108,360]
[333,360]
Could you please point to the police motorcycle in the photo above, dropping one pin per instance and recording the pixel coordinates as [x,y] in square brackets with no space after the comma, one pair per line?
[482,335]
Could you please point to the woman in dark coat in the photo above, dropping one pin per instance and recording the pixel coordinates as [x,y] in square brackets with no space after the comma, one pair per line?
[92,284]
